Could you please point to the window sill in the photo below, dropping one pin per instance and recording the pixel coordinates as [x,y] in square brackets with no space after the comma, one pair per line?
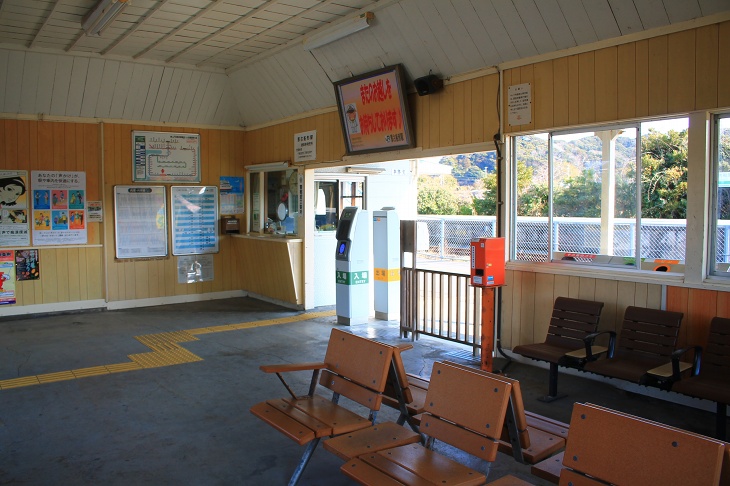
[596,271]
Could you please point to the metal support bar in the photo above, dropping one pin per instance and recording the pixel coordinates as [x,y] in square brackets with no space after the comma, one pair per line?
[303,461]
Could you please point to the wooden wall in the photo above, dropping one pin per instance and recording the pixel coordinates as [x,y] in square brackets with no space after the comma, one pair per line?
[221,154]
[463,113]
[528,297]
[73,273]
[674,73]
[699,307]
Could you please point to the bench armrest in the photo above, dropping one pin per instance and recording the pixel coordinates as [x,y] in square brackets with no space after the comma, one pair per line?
[404,346]
[696,362]
[314,367]
[286,367]
[590,339]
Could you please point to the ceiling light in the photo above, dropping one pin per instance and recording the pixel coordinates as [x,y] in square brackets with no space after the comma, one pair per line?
[101,16]
[365,170]
[336,32]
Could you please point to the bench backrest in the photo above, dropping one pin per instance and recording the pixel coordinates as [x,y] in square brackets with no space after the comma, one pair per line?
[400,371]
[572,320]
[618,448]
[716,355]
[650,331]
[518,405]
[466,410]
[357,368]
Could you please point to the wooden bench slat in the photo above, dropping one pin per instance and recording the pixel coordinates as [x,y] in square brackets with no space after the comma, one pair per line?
[377,471]
[372,439]
[547,424]
[364,396]
[283,423]
[571,478]
[287,367]
[337,419]
[476,444]
[542,445]
[549,469]
[432,466]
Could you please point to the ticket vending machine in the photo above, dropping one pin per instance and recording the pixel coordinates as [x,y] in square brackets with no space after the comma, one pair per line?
[386,260]
[352,267]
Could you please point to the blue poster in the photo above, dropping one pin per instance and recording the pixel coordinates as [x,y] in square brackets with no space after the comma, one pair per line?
[194,220]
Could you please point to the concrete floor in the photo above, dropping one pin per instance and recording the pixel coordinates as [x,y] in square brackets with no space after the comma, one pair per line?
[189,423]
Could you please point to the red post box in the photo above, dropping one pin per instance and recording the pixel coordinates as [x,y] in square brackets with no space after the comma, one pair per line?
[487,262]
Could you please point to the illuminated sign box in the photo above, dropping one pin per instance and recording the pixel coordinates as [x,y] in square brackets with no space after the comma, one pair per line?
[374,111]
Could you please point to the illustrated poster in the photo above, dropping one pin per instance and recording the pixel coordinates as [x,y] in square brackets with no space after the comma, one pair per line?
[166,157]
[27,265]
[194,220]
[14,227]
[231,194]
[59,207]
[7,277]
[194,268]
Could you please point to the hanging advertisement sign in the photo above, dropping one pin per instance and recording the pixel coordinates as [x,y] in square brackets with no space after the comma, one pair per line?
[7,277]
[194,220]
[59,207]
[166,157]
[14,226]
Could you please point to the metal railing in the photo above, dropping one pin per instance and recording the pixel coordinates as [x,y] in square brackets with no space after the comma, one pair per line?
[449,237]
[441,304]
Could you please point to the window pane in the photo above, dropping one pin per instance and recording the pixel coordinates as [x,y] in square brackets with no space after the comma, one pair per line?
[722,203]
[531,201]
[664,194]
[326,210]
[594,196]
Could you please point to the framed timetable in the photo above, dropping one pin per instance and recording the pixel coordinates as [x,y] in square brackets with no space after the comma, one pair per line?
[194,219]
[140,221]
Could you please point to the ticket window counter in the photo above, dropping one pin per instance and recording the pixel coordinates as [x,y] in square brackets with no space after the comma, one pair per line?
[274,202]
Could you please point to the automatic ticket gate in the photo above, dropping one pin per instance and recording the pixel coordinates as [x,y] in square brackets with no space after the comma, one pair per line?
[352,267]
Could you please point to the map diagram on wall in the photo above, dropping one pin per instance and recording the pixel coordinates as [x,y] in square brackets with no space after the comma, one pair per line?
[166,157]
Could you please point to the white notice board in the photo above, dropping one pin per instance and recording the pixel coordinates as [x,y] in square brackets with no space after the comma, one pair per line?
[165,157]
[194,219]
[140,221]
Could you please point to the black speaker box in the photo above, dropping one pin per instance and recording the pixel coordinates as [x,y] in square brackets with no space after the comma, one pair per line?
[428,85]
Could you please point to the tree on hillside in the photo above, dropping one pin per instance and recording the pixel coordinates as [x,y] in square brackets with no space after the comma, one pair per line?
[437,195]
[532,198]
[664,175]
[580,196]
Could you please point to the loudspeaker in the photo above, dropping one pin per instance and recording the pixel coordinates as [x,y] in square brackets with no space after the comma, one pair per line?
[428,85]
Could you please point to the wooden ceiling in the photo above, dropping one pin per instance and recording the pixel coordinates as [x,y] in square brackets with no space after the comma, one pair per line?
[241,62]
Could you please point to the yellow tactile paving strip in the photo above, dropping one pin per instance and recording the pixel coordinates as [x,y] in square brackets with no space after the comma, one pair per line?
[165,352]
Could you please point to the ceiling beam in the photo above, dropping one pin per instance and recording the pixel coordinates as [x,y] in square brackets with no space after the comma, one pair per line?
[136,27]
[45,23]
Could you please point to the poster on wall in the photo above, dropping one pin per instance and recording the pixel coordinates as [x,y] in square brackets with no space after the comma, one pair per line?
[59,207]
[7,277]
[27,265]
[231,194]
[194,219]
[14,226]
[165,157]
[519,104]
[305,146]
[194,268]
[140,221]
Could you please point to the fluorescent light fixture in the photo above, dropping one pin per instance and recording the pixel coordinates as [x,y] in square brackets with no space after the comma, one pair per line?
[337,31]
[101,16]
[271,166]
[365,170]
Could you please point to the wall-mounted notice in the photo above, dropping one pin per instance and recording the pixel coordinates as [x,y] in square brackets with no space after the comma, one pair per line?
[519,103]
[166,157]
[14,229]
[305,146]
[194,268]
[194,220]
[94,212]
[59,207]
[140,221]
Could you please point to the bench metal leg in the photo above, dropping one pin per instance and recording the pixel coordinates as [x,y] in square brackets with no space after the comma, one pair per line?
[553,385]
[303,462]
[721,421]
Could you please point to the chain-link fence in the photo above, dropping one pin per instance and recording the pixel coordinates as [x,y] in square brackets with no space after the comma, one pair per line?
[449,237]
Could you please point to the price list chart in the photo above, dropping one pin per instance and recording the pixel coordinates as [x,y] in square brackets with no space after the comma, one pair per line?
[194,220]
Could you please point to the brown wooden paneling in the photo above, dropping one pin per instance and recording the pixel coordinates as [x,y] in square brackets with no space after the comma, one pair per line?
[681,72]
[723,67]
[626,81]
[543,89]
[606,93]
[706,62]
